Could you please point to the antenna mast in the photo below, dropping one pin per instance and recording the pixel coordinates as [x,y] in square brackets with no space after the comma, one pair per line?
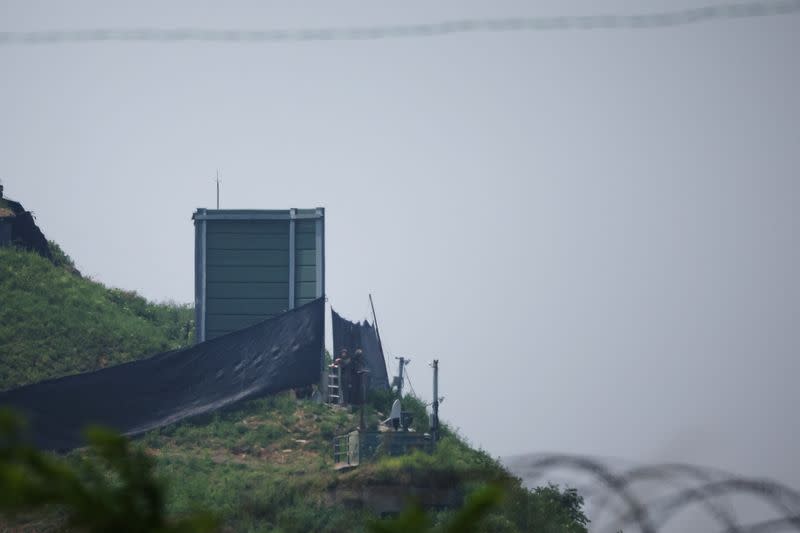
[435,417]
[377,331]
[217,180]
[401,366]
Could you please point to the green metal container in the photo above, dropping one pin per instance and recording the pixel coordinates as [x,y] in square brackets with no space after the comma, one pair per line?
[251,265]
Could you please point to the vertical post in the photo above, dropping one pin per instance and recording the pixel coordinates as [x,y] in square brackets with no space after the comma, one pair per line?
[217,189]
[319,235]
[362,374]
[400,376]
[292,256]
[435,418]
[319,240]
[340,399]
[377,331]
[200,224]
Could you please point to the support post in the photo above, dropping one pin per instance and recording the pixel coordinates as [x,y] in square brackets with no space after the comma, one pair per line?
[319,239]
[402,364]
[340,399]
[292,256]
[377,331]
[362,374]
[435,417]
[217,189]
[200,275]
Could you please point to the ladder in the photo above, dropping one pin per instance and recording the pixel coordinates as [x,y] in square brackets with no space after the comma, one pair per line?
[335,385]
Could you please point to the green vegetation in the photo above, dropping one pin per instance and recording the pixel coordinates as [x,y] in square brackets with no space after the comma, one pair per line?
[110,488]
[267,466]
[54,322]
[264,465]
[61,259]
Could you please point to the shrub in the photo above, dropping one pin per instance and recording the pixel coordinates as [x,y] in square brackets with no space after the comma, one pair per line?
[381,400]
[112,488]
[419,411]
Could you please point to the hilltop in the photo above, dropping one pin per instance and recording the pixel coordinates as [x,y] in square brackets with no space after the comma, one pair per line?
[268,466]
[263,465]
[54,322]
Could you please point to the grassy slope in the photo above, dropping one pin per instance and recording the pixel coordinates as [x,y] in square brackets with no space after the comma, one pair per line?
[265,465]
[54,322]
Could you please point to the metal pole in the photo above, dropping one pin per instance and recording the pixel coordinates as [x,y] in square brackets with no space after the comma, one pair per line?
[400,376]
[217,189]
[362,374]
[293,260]
[319,242]
[435,419]
[377,331]
[340,400]
[200,275]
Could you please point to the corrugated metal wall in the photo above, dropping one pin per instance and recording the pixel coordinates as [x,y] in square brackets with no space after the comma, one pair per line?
[246,262]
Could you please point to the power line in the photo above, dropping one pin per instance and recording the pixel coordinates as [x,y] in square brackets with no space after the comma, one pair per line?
[664,19]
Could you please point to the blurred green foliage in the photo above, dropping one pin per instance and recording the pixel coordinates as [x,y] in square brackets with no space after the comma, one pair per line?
[111,488]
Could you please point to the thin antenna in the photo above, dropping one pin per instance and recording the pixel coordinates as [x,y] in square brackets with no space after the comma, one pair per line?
[377,331]
[217,180]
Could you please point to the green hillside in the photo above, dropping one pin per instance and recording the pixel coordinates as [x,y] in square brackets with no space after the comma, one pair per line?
[268,466]
[53,322]
[264,465]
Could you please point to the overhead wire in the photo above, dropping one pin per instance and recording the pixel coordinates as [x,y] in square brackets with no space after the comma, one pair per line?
[662,19]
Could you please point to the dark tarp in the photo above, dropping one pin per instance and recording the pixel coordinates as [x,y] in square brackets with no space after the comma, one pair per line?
[24,231]
[280,353]
[352,336]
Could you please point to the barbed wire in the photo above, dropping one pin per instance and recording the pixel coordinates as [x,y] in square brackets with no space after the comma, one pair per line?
[682,486]
[664,19]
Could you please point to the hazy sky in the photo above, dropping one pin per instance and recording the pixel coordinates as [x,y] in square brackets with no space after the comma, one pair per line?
[595,232]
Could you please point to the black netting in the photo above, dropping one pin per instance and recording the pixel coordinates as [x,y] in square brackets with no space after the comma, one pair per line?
[351,337]
[278,354]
